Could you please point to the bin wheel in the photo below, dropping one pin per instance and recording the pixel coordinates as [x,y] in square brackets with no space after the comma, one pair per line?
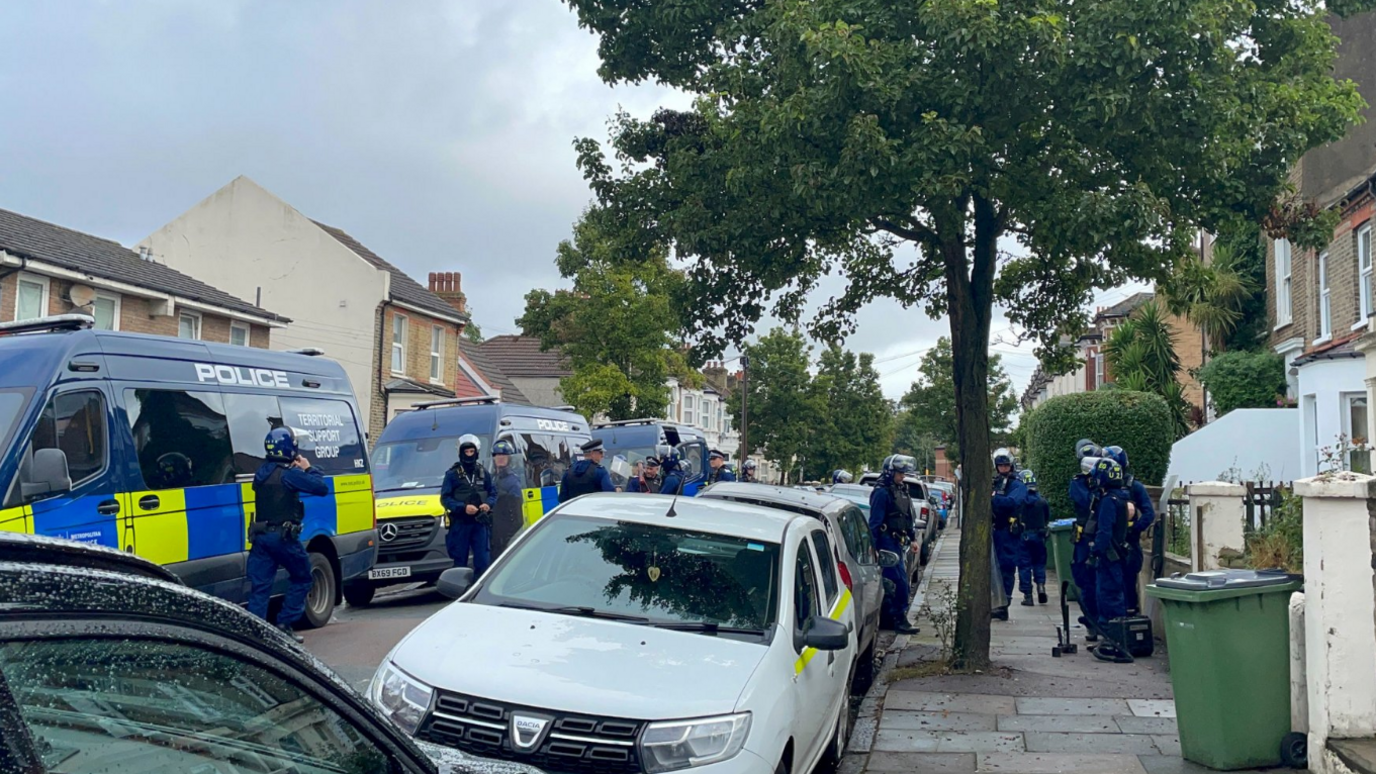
[1294,750]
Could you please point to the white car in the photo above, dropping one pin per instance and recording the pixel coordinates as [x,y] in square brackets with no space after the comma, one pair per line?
[639,634]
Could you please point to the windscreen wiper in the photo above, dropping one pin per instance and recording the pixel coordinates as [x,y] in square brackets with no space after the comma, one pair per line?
[583,611]
[706,627]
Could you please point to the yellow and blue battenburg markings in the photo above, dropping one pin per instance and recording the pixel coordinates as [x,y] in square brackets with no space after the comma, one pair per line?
[537,501]
[837,610]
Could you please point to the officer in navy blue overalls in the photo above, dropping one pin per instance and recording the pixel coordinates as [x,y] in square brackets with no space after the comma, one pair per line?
[1108,528]
[671,462]
[275,533]
[1036,513]
[892,527]
[716,460]
[468,497]
[1008,498]
[587,475]
[1082,498]
[1140,518]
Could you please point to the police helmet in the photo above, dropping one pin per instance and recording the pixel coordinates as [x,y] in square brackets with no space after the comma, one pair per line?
[174,470]
[1107,474]
[1028,479]
[651,461]
[504,447]
[842,477]
[280,444]
[1119,455]
[899,463]
[468,439]
[716,454]
[749,464]
[1087,448]
[1003,457]
[669,457]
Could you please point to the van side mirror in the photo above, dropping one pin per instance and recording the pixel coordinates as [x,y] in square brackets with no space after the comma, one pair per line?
[48,475]
[455,581]
[826,634]
[889,559]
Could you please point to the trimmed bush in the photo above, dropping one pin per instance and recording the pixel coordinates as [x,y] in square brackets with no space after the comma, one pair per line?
[1243,380]
[1140,422]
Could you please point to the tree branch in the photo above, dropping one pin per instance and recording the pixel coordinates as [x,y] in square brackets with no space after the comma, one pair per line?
[916,233]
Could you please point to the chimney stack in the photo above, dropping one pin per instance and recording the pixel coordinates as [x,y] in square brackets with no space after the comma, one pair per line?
[447,285]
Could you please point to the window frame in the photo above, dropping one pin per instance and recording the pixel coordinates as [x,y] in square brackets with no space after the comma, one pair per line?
[437,354]
[235,325]
[197,322]
[1347,399]
[1284,259]
[114,298]
[1098,369]
[400,324]
[689,409]
[127,399]
[105,461]
[1365,291]
[45,304]
[803,555]
[831,581]
[1325,301]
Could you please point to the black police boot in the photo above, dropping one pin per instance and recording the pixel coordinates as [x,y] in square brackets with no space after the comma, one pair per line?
[291,633]
[1000,614]
[1091,631]
[1027,600]
[1041,593]
[904,627]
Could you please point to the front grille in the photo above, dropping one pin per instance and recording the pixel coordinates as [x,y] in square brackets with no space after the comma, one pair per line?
[574,744]
[412,532]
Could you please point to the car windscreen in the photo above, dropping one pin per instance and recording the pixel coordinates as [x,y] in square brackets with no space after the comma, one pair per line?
[860,500]
[669,576]
[12,404]
[418,463]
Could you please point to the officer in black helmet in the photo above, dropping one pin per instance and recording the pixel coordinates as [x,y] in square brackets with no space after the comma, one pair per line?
[748,470]
[468,496]
[587,475]
[275,533]
[893,529]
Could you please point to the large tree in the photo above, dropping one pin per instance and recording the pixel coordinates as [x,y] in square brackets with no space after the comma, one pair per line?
[855,429]
[617,327]
[898,145]
[929,405]
[783,406]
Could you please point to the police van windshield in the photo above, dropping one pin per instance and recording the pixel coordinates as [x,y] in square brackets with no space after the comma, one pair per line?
[419,463]
[11,409]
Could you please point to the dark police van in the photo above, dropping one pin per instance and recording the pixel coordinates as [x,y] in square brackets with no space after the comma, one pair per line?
[148,444]
[418,446]
[636,439]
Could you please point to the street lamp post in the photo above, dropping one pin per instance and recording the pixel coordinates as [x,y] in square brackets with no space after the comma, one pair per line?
[745,409]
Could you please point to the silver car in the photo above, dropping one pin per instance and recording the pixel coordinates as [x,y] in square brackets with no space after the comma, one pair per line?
[857,561]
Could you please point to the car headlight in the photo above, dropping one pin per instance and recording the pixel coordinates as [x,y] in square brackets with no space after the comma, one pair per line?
[682,744]
[401,697]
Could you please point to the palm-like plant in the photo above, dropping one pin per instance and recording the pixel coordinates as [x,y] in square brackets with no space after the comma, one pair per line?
[1142,354]
[1210,295]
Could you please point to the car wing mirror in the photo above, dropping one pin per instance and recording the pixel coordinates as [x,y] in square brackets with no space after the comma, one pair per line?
[826,634]
[889,559]
[454,582]
[48,475]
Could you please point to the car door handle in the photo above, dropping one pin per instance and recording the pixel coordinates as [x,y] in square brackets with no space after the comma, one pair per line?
[108,507]
[149,502]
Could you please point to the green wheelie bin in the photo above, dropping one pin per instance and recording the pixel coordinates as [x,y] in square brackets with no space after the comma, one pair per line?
[1062,552]
[1228,637]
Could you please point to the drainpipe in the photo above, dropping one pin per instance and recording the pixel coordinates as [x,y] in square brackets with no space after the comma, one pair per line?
[382,328]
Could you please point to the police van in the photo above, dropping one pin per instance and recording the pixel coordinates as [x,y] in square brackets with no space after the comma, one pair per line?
[148,444]
[636,439]
[416,449]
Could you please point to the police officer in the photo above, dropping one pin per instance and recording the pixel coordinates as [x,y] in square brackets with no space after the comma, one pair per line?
[1141,515]
[468,496]
[587,475]
[748,470]
[1036,513]
[892,527]
[841,477]
[1082,499]
[1108,529]
[276,529]
[508,483]
[672,464]
[1008,499]
[719,471]
[648,480]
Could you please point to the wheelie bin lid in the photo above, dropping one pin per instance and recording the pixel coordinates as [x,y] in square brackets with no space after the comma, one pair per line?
[1061,525]
[1218,584]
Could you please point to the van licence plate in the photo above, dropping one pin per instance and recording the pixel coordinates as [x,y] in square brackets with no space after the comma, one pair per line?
[389,572]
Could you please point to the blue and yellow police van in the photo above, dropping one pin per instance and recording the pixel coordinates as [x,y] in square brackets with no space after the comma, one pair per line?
[148,444]
[418,446]
[636,439]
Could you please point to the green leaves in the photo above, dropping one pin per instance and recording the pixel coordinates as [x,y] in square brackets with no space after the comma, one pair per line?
[1141,354]
[1244,380]
[928,409]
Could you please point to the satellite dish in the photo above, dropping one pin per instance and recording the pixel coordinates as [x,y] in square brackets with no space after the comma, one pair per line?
[82,295]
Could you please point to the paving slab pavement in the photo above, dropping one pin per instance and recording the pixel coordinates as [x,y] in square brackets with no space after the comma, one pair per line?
[1030,714]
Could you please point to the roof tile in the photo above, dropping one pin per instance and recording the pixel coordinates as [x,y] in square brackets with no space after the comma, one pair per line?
[475,356]
[404,289]
[521,356]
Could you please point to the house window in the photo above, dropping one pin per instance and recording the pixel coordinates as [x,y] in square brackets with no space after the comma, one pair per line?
[1283,313]
[189,326]
[106,311]
[32,301]
[238,334]
[437,355]
[688,413]
[1325,307]
[399,344]
[1354,427]
[1364,268]
[1098,370]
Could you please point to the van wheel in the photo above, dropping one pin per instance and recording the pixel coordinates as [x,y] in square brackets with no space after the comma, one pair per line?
[324,589]
[359,594]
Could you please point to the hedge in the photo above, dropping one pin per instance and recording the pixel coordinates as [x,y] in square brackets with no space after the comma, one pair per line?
[1140,422]
[1244,380]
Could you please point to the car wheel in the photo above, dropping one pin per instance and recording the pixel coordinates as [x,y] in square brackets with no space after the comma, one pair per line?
[320,602]
[359,594]
[837,748]
[863,678]
[926,554]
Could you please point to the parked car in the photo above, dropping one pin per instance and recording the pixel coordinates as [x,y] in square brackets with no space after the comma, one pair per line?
[859,494]
[630,634]
[949,498]
[855,555]
[109,663]
[926,515]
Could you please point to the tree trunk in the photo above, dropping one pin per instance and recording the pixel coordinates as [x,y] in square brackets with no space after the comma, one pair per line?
[969,290]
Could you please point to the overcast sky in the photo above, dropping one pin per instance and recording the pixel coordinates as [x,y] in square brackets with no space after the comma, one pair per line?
[437,133]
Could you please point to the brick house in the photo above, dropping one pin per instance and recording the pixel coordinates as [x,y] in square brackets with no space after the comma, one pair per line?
[47,269]
[1320,303]
[397,340]
[535,372]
